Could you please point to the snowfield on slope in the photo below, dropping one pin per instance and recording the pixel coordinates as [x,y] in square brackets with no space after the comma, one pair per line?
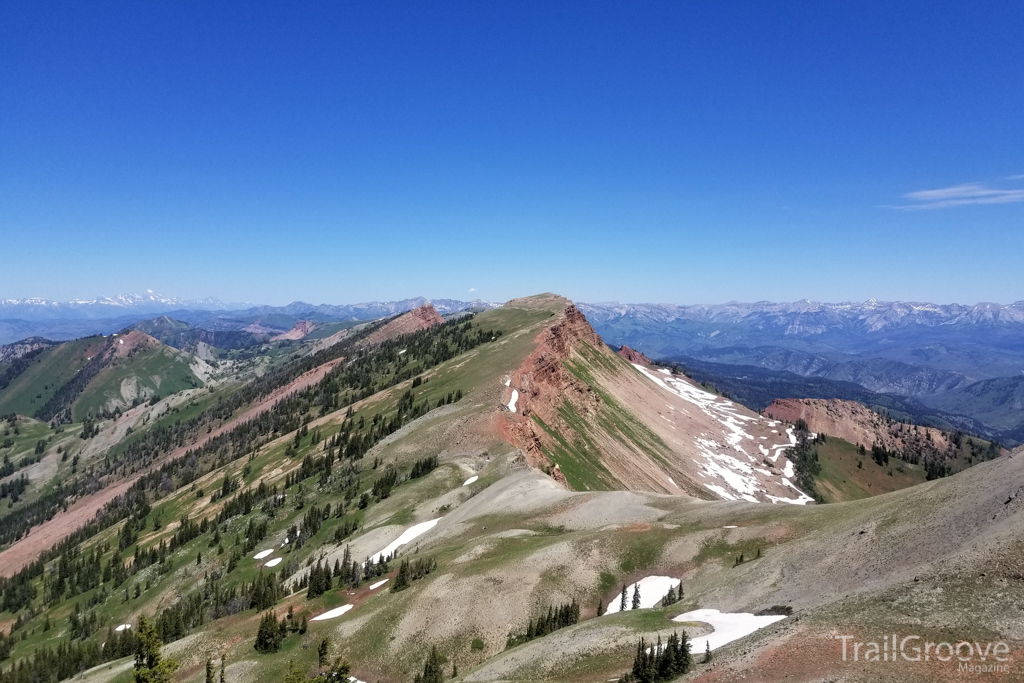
[652,590]
[728,626]
[407,536]
[735,469]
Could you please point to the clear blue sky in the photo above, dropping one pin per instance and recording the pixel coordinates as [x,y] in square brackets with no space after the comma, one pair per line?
[635,151]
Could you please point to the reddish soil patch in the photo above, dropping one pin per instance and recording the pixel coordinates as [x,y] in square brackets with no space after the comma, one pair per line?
[300,331]
[58,527]
[412,321]
[809,655]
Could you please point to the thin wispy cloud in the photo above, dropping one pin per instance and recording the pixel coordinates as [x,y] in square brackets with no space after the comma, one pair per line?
[961,195]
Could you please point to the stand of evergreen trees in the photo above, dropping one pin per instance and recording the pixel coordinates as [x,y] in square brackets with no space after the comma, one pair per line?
[661,661]
[319,581]
[412,571]
[673,596]
[556,618]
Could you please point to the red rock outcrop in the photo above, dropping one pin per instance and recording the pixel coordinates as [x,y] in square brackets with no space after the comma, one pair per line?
[542,381]
[633,356]
[858,424]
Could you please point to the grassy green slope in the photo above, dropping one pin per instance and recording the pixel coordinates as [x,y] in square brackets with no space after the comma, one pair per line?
[847,475]
[47,373]
[159,371]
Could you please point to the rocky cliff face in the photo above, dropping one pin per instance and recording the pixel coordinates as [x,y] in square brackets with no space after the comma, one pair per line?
[543,381]
[633,356]
[857,424]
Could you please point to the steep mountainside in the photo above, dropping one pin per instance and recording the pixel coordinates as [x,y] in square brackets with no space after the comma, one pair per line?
[633,356]
[184,336]
[403,494]
[608,424]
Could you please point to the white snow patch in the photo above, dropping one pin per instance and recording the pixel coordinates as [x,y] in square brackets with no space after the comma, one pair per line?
[512,403]
[728,626]
[789,470]
[470,480]
[263,553]
[402,351]
[123,627]
[332,613]
[508,382]
[407,536]
[120,341]
[375,586]
[672,482]
[274,562]
[730,526]
[652,590]
[727,468]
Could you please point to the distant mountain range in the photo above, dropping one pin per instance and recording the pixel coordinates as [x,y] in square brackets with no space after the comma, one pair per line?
[958,359]
[63,320]
[105,307]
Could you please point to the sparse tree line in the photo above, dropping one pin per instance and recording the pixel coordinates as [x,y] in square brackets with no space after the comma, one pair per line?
[557,617]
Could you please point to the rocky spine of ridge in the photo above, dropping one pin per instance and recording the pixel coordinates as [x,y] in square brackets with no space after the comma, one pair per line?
[411,321]
[860,425]
[543,381]
[633,356]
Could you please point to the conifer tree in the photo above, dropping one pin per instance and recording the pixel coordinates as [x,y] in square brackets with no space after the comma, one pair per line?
[223,665]
[150,666]
[622,602]
[707,651]
[209,670]
[269,636]
[636,596]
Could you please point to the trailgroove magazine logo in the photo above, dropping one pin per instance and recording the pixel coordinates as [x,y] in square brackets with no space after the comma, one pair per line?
[971,657]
